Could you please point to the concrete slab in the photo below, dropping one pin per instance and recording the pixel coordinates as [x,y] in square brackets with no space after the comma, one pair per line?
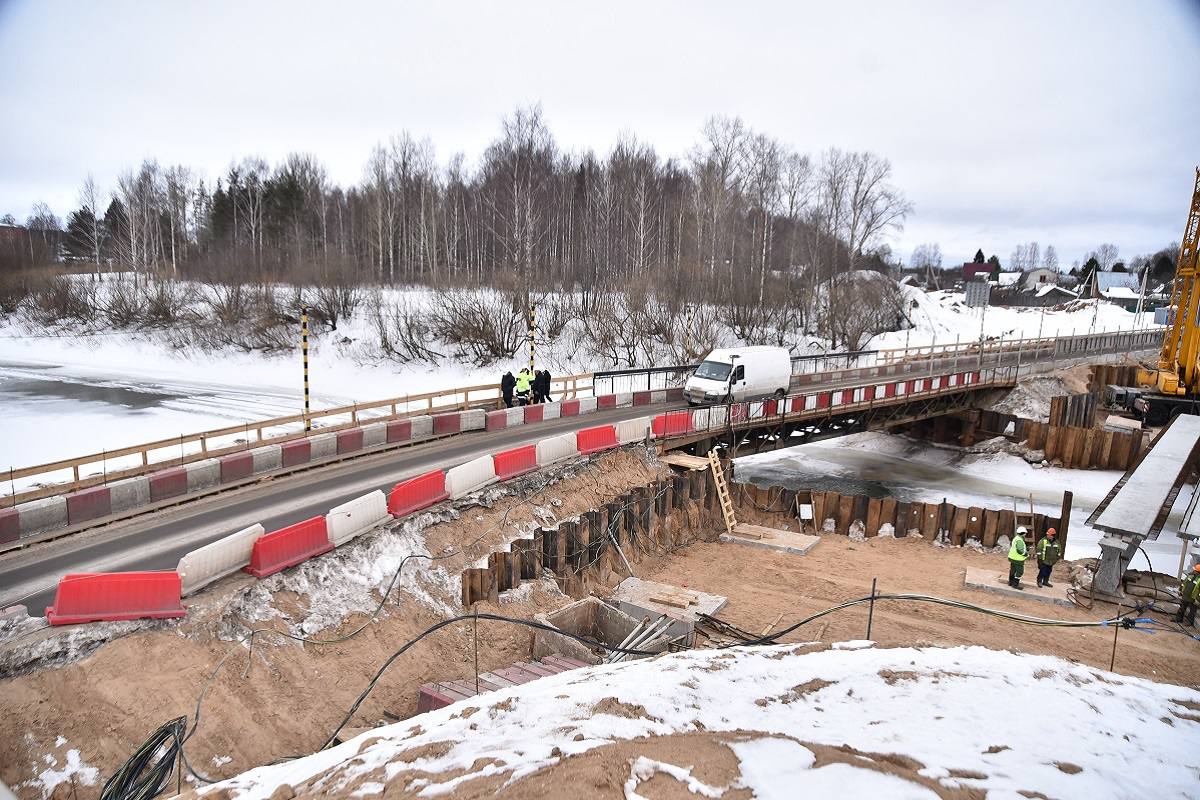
[780,541]
[633,597]
[997,583]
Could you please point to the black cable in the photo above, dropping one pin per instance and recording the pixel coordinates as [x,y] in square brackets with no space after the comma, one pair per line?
[149,769]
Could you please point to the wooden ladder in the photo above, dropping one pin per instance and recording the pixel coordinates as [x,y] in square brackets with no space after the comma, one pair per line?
[714,464]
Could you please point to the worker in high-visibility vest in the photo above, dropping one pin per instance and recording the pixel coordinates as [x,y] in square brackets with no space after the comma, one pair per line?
[1189,596]
[524,380]
[1048,553]
[1017,553]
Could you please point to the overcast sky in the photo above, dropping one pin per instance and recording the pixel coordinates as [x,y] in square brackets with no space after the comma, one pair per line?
[1068,123]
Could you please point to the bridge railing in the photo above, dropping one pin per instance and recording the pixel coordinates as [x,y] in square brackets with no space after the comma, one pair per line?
[640,380]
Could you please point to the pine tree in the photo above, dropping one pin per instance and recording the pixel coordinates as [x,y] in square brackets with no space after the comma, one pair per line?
[979,256]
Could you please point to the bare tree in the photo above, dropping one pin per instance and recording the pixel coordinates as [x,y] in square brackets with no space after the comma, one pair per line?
[927,257]
[1051,258]
[1106,255]
[90,199]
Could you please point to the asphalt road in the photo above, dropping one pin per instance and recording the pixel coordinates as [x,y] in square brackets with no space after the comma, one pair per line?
[158,540]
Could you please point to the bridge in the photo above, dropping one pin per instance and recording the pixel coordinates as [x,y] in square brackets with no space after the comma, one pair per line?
[830,395]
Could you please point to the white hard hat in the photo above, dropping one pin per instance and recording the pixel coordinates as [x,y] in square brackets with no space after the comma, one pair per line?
[1021,531]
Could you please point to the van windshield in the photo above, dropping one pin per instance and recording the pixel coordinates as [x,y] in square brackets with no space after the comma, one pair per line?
[713,370]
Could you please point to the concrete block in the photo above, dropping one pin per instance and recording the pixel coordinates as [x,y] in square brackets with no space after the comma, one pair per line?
[587,405]
[997,583]
[780,541]
[129,493]
[294,452]
[88,504]
[266,459]
[236,466]
[323,445]
[349,441]
[203,474]
[515,416]
[10,525]
[633,597]
[422,426]
[551,411]
[168,483]
[38,516]
[624,399]
[474,420]
[374,434]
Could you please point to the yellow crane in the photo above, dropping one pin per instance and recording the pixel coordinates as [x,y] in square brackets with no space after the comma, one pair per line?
[1174,387]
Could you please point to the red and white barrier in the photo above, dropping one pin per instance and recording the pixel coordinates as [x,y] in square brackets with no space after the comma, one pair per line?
[470,477]
[595,440]
[215,560]
[417,493]
[113,596]
[556,448]
[515,462]
[356,517]
[276,551]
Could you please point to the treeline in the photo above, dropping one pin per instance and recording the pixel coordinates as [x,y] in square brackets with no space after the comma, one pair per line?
[740,207]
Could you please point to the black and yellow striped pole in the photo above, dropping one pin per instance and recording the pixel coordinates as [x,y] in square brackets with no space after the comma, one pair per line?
[532,332]
[304,352]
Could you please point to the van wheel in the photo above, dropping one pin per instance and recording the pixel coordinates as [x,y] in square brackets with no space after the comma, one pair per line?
[780,394]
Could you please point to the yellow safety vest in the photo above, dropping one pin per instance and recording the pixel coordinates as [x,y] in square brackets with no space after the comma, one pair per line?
[1017,551]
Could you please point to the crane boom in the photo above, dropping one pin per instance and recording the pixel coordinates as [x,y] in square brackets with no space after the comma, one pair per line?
[1179,372]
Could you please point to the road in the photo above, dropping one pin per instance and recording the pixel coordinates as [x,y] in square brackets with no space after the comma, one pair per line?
[158,540]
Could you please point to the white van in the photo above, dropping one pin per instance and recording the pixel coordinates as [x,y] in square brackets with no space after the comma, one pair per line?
[740,373]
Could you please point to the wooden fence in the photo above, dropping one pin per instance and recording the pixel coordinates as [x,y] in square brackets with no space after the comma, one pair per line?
[1112,375]
[1074,410]
[671,512]
[960,523]
[649,519]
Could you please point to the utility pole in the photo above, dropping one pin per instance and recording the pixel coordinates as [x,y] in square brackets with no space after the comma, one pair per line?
[532,331]
[304,355]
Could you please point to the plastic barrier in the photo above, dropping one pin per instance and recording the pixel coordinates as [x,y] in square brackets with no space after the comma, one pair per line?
[568,408]
[349,441]
[236,467]
[556,448]
[533,413]
[266,459]
[422,426]
[496,420]
[215,560]
[88,504]
[129,493]
[606,401]
[551,411]
[294,453]
[472,420]
[112,596]
[469,477]
[593,440]
[399,431]
[518,461]
[374,434]
[709,418]
[417,493]
[323,445]
[444,424]
[633,430]
[739,412]
[642,398]
[673,423]
[356,517]
[203,474]
[276,551]
[167,483]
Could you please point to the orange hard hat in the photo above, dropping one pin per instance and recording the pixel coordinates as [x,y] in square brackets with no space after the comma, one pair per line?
[1050,531]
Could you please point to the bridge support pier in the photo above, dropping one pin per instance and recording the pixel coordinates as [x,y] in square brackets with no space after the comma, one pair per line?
[1115,554]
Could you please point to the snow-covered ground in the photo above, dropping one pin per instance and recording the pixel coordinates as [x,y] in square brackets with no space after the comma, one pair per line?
[1002,723]
[876,463]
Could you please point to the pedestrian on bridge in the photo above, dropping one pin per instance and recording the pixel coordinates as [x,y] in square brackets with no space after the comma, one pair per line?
[1189,596]
[523,382]
[507,383]
[1049,551]
[1017,553]
[545,386]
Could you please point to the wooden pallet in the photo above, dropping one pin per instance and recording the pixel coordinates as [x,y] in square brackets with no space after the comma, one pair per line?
[748,531]
[685,461]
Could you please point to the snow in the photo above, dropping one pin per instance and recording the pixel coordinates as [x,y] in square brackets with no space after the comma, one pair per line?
[74,769]
[1120,293]
[950,709]
[924,472]
[1008,278]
